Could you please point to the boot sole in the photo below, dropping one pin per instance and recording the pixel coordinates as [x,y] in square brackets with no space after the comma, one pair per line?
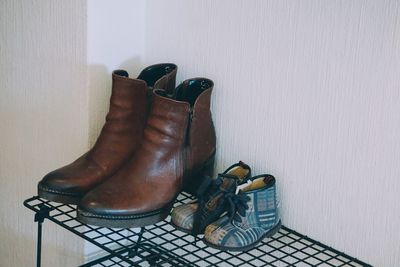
[182,229]
[270,233]
[58,196]
[124,221]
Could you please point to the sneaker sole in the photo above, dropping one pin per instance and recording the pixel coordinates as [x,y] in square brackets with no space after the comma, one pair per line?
[182,229]
[270,233]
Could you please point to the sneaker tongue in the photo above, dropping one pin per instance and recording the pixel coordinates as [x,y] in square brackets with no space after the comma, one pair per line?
[228,184]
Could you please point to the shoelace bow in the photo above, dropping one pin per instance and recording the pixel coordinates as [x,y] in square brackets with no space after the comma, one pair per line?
[207,190]
[237,205]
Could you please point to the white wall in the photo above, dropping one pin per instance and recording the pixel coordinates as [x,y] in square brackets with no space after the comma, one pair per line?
[308,91]
[115,40]
[43,115]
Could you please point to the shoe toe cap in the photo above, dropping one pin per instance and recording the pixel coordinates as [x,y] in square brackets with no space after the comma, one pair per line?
[224,234]
[95,203]
[214,234]
[183,216]
[109,199]
[56,181]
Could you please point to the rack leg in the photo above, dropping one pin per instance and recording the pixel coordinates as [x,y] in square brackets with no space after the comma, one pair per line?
[39,218]
[39,245]
[133,252]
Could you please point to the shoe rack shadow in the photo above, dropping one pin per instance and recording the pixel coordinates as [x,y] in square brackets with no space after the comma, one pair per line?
[162,245]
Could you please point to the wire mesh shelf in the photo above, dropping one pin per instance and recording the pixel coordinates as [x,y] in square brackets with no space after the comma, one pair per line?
[163,245]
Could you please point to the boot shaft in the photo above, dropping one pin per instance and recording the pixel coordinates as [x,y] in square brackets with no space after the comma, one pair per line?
[130,100]
[128,93]
[200,134]
[183,120]
[160,76]
[167,122]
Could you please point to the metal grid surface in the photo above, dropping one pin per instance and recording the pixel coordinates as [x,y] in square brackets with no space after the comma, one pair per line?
[163,245]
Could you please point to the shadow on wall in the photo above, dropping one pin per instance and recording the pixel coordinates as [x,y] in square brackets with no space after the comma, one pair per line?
[99,83]
[70,255]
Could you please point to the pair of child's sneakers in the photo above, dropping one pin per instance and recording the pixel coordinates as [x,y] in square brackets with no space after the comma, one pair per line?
[235,211]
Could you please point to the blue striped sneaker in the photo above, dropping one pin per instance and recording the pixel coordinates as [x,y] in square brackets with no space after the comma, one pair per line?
[194,217]
[252,216]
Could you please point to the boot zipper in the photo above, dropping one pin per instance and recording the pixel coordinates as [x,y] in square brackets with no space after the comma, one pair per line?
[189,126]
[185,156]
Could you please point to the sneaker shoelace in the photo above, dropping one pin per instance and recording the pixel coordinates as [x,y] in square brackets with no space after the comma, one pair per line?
[211,190]
[237,205]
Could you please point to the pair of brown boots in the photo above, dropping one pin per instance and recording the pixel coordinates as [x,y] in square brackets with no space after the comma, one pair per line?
[157,141]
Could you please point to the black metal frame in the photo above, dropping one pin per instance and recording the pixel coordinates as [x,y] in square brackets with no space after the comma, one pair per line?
[163,245]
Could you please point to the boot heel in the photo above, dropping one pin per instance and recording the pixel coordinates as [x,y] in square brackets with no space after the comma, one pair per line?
[193,182]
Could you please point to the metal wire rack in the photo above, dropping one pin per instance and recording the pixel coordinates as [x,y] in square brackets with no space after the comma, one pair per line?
[163,245]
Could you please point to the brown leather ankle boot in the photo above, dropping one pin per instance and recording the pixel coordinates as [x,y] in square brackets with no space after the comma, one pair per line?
[177,152]
[120,137]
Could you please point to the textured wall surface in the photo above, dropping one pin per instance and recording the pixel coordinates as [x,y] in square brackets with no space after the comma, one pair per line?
[306,90]
[44,119]
[310,92]
[114,43]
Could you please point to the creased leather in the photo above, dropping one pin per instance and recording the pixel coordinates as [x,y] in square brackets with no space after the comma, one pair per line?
[118,141]
[155,175]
